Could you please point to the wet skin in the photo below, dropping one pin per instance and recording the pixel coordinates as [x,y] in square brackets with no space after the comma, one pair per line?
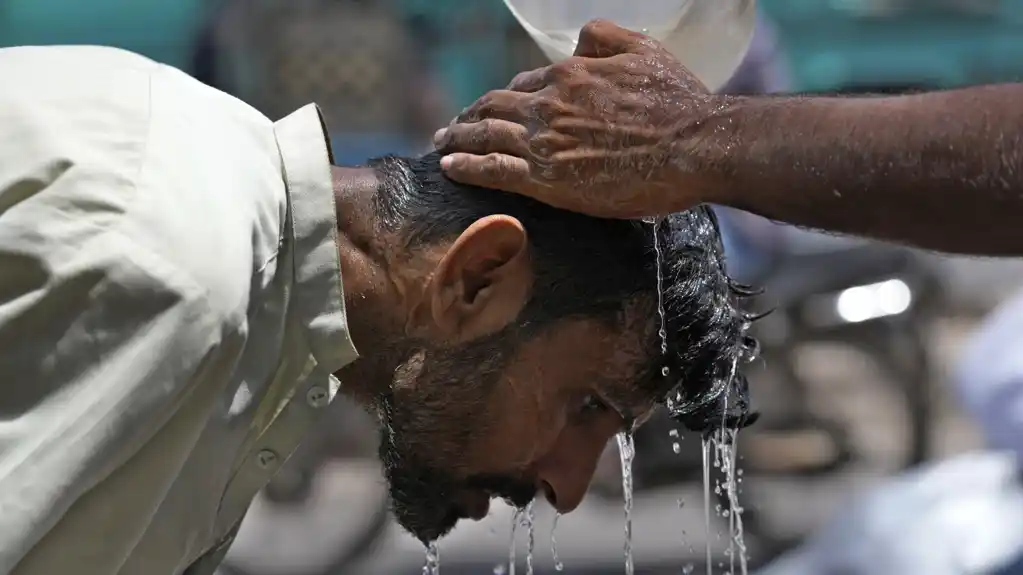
[469,408]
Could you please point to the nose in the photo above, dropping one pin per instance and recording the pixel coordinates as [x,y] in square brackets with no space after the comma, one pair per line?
[565,473]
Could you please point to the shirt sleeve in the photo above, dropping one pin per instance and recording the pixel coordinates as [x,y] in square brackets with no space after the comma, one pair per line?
[100,342]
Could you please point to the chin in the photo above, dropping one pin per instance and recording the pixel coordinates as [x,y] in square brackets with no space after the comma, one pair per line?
[432,531]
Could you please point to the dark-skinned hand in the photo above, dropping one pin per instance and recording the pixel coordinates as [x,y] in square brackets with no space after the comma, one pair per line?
[614,131]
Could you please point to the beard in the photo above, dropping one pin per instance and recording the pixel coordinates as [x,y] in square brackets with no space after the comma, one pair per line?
[437,406]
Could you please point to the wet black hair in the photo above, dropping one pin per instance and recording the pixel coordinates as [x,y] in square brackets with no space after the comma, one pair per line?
[590,267]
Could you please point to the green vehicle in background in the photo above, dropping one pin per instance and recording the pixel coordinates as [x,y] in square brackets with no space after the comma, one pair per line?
[898,45]
[164,30]
[832,45]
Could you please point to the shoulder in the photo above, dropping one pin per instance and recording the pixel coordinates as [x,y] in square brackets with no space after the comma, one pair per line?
[211,195]
[102,139]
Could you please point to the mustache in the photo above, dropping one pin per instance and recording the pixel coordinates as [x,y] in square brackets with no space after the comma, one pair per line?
[516,491]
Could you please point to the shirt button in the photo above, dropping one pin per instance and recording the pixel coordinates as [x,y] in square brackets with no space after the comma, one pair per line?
[266,458]
[317,397]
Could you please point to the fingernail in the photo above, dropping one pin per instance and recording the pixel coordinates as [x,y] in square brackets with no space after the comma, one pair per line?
[445,162]
[438,137]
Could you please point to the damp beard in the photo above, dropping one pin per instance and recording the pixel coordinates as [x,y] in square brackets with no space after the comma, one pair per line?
[437,405]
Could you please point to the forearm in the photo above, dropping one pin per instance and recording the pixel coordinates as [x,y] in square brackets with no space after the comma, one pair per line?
[942,171]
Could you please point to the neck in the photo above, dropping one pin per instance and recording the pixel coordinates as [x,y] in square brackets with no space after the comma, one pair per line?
[372,291]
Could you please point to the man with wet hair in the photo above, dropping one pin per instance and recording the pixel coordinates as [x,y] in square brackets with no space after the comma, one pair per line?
[184,285]
[542,338]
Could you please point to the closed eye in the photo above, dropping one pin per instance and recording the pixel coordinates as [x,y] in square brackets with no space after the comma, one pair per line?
[592,403]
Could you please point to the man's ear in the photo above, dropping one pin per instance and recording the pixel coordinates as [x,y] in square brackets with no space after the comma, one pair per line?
[483,280]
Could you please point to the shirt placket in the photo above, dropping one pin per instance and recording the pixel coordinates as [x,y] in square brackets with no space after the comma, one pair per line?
[280,438]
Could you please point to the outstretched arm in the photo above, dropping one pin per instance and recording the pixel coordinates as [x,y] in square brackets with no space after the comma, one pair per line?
[942,170]
[623,130]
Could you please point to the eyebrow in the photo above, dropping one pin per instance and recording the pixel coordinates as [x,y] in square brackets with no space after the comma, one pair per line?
[629,404]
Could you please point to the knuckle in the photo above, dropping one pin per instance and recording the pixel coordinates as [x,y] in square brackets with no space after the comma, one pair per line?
[542,147]
[592,27]
[545,170]
[466,115]
[474,111]
[561,71]
[458,133]
[485,105]
[545,110]
[521,78]
[489,128]
[574,64]
[527,81]
[494,163]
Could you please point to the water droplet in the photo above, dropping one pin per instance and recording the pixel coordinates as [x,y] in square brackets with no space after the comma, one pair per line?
[500,569]
[673,433]
[676,448]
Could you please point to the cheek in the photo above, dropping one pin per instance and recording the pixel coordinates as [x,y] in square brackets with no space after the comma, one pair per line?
[524,425]
[439,422]
[579,447]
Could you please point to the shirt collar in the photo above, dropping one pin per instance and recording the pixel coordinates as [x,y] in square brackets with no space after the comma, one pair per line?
[318,294]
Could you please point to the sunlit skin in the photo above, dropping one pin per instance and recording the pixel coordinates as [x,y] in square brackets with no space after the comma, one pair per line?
[941,170]
[557,408]
[426,324]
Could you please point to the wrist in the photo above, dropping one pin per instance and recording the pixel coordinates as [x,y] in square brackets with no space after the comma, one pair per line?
[709,151]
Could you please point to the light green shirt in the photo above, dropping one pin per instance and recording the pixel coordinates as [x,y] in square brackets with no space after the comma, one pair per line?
[171,309]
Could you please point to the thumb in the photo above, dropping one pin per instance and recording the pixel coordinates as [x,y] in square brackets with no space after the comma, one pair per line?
[603,38]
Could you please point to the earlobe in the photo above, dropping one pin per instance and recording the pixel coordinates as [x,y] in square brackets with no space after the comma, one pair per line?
[483,280]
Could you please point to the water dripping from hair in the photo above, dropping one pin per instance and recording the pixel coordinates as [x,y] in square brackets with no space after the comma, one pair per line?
[432,566]
[662,330]
[627,452]
[720,451]
[705,445]
[727,447]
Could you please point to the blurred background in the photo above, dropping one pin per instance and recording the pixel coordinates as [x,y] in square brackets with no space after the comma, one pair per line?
[887,443]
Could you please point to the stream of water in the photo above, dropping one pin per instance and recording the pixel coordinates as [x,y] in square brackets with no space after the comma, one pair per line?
[705,446]
[662,330]
[727,448]
[530,520]
[432,566]
[516,519]
[627,452]
[558,565]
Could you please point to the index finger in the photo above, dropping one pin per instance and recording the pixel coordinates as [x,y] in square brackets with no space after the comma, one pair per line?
[495,171]
[603,38]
